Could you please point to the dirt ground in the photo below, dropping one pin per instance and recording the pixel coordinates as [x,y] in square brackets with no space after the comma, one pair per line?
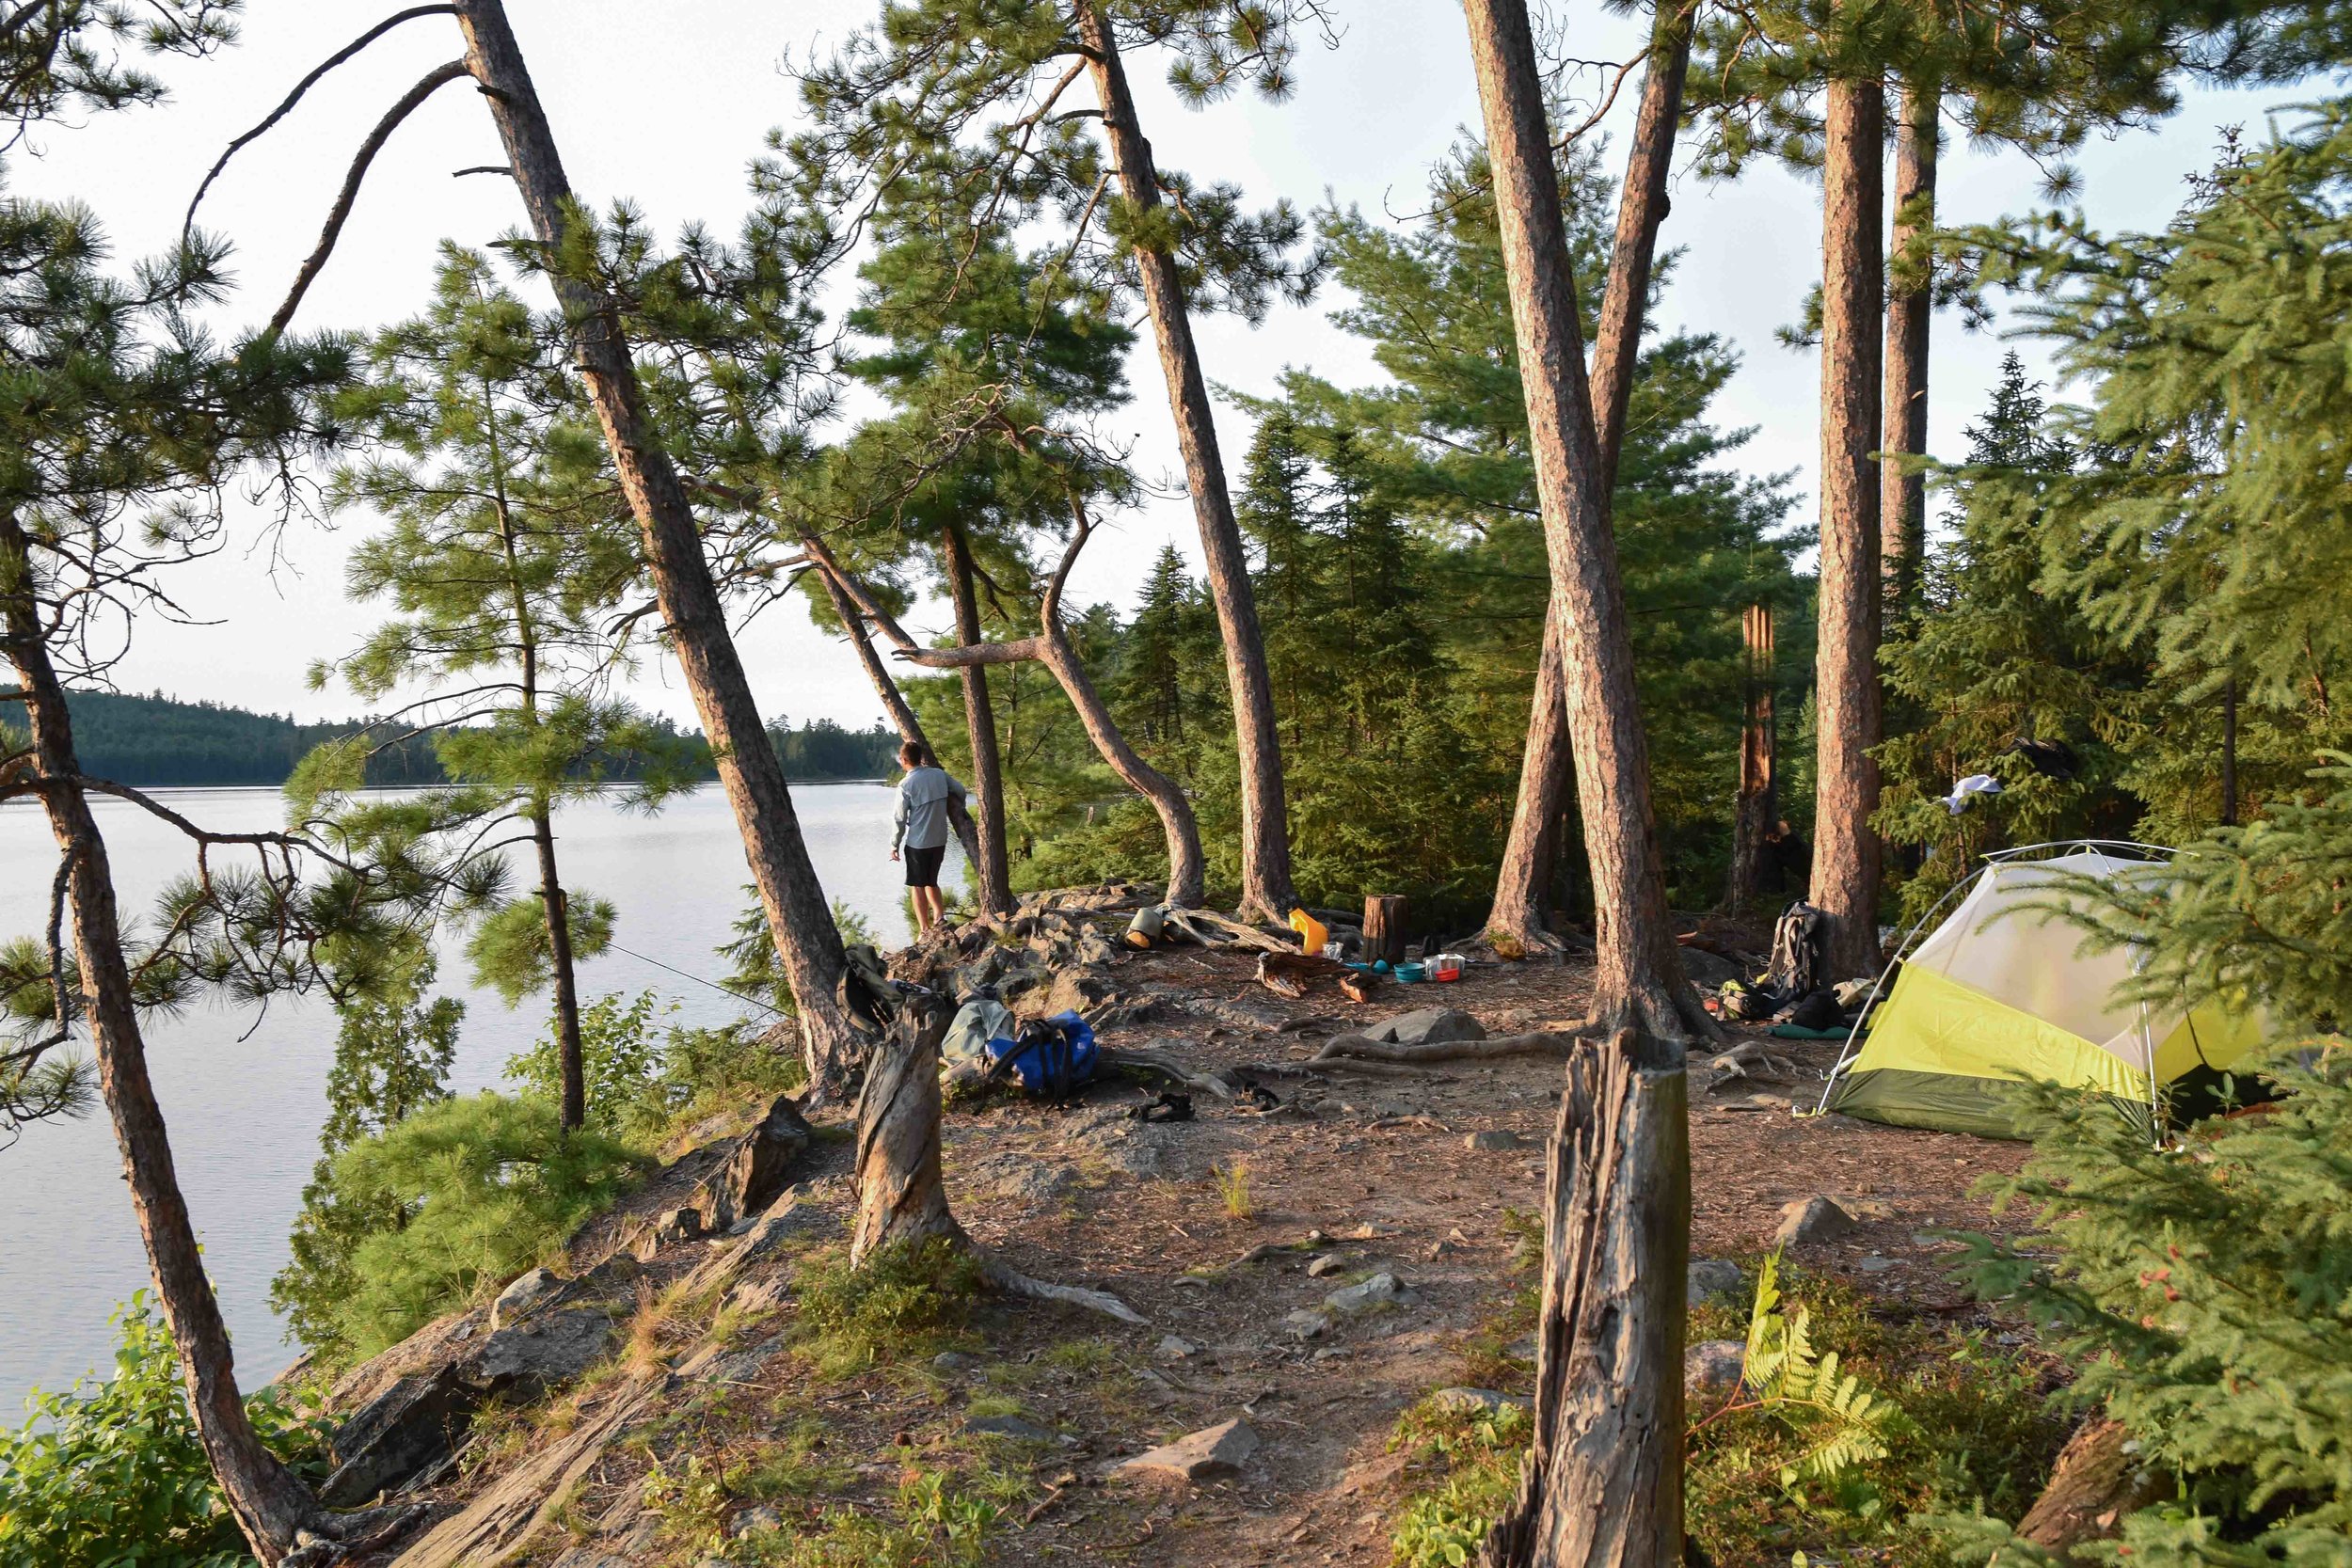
[1368,1174]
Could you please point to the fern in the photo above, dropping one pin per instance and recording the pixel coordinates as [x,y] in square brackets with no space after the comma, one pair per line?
[1840,1424]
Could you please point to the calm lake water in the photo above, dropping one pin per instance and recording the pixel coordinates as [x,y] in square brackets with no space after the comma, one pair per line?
[243,1093]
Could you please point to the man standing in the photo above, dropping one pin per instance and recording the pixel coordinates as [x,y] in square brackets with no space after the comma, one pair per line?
[923,797]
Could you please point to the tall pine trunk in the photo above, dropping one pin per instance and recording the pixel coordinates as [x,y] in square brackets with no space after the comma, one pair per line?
[556,908]
[1846,851]
[1757,804]
[272,1507]
[1910,311]
[894,702]
[807,944]
[980,726]
[1637,974]
[1518,916]
[1265,850]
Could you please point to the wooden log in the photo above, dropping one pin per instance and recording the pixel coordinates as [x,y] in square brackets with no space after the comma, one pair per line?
[1601,1485]
[1384,927]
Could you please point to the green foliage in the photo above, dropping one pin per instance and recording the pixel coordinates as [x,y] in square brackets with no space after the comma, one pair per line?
[1465,1465]
[904,1301]
[938,1519]
[481,1189]
[646,1079]
[111,1473]
[754,968]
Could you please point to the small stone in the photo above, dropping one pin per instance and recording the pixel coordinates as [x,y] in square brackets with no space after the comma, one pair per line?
[1382,1290]
[1811,1219]
[1367,1232]
[1713,1366]
[1478,1402]
[751,1521]
[1495,1140]
[1324,1265]
[528,1292]
[1307,1323]
[1218,1450]
[953,1361]
[1012,1427]
[1176,1348]
[1865,1210]
[1521,1349]
[1875,1264]
[1711,1278]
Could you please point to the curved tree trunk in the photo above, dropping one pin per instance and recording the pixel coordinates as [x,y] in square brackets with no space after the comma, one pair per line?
[1637,977]
[273,1508]
[1522,907]
[1265,851]
[1910,313]
[1184,863]
[807,944]
[990,871]
[894,702]
[1846,851]
[900,1196]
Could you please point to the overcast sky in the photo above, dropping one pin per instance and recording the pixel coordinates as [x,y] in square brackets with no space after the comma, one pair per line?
[669,111]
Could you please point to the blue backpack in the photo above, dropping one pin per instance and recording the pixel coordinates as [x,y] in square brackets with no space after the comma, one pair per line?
[1053,1057]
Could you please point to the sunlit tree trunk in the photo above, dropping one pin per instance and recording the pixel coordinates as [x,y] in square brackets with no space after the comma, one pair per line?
[1519,918]
[1637,977]
[979,724]
[1266,891]
[1846,852]
[1910,311]
[807,944]
[272,1507]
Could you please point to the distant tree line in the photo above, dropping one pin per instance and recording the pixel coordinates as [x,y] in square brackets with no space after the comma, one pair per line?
[156,740]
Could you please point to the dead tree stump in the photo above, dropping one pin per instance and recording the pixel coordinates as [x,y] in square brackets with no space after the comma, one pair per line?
[1602,1486]
[900,1194]
[1384,927]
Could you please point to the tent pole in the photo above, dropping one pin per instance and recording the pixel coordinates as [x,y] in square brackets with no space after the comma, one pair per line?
[1845,1052]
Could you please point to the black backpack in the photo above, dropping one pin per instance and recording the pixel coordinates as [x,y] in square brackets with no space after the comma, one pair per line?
[1799,951]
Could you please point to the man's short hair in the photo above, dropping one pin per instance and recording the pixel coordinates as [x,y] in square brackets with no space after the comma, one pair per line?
[913,754]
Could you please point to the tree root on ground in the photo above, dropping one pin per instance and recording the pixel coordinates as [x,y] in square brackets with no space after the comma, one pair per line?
[1355,1052]
[1145,1059]
[1013,1282]
[354,1534]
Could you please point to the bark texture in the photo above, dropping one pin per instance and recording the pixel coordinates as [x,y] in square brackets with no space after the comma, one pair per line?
[807,944]
[1521,906]
[1601,1485]
[1384,927]
[1910,311]
[277,1512]
[1758,805]
[1265,851]
[556,907]
[991,870]
[1846,851]
[1637,977]
[900,1196]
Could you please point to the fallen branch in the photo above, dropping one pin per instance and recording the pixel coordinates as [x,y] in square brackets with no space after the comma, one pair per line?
[1355,1052]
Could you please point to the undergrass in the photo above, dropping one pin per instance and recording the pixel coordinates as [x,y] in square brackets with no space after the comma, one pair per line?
[906,1302]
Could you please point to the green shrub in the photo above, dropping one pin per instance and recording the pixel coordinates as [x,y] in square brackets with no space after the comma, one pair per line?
[906,1300]
[111,1473]
[1471,1460]
[484,1187]
[645,1080]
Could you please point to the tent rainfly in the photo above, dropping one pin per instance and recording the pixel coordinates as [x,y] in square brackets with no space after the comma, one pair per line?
[2004,990]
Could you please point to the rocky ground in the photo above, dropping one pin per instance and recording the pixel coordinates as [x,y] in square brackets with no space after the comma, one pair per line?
[1312,1257]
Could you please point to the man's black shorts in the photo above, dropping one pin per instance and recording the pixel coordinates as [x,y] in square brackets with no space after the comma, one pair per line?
[923,866]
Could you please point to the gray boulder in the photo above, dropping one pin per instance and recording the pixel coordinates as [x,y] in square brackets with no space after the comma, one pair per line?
[1012,1427]
[1379,1292]
[1494,1140]
[1428,1026]
[406,1430]
[545,1352]
[1711,1278]
[1811,1219]
[1708,970]
[1713,1366]
[1218,1450]
[527,1294]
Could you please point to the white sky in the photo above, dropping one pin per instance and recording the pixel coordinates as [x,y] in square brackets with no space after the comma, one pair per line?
[668,112]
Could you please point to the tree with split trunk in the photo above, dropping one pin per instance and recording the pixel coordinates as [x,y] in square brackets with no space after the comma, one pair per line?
[1638,970]
[507,545]
[685,590]
[989,91]
[123,428]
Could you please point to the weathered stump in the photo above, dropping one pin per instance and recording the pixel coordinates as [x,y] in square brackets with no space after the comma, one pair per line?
[900,1194]
[1384,927]
[1602,1486]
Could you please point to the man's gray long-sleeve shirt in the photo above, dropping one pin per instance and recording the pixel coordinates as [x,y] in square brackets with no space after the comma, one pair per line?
[923,797]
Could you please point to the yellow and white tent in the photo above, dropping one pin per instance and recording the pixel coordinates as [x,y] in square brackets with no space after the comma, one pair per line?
[2004,990]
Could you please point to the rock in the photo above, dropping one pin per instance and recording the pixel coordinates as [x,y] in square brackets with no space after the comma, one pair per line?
[1441,1249]
[1493,1141]
[1478,1402]
[757,1168]
[528,1293]
[953,1361]
[1379,1292]
[1176,1348]
[1012,1427]
[424,1353]
[754,1520]
[1711,1278]
[1713,1366]
[407,1429]
[528,1359]
[1325,1265]
[741,1366]
[1811,1219]
[1218,1450]
[1081,989]
[1428,1026]
[1708,970]
[1307,1323]
[1875,1264]
[1023,1178]
[1139,1148]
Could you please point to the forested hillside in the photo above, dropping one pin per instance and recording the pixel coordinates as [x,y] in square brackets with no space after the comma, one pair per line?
[155,740]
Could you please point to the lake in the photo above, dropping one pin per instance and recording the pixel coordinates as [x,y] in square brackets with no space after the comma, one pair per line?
[244,1091]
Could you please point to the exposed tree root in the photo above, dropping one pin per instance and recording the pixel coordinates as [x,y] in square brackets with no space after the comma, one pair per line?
[1350,1050]
[1013,1282]
[1661,1011]
[1144,1059]
[354,1535]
